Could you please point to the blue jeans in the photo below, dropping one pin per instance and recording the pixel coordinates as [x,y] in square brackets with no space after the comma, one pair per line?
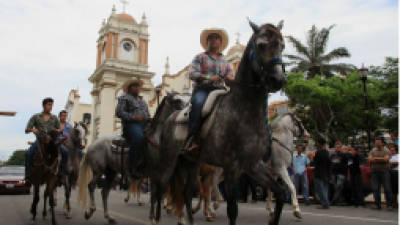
[339,180]
[303,180]
[29,157]
[199,97]
[134,134]
[321,189]
[381,178]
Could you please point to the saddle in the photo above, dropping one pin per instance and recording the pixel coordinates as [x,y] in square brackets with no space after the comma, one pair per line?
[182,118]
[119,144]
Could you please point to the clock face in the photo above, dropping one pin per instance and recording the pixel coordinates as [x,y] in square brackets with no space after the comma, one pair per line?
[127,46]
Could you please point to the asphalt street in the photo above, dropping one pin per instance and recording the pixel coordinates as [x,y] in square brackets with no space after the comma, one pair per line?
[14,209]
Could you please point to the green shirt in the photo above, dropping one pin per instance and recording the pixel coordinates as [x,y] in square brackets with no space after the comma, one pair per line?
[37,121]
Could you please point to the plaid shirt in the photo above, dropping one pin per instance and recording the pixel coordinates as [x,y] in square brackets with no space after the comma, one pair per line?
[129,106]
[204,64]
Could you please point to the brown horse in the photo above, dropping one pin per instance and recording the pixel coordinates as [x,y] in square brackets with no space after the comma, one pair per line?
[135,188]
[44,171]
[206,184]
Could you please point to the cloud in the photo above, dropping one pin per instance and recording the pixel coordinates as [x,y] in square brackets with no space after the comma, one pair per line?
[49,47]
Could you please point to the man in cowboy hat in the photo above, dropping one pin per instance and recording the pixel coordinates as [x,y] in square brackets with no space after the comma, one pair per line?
[208,70]
[134,113]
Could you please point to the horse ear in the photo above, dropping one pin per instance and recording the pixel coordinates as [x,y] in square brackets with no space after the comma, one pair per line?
[280,25]
[253,26]
[75,124]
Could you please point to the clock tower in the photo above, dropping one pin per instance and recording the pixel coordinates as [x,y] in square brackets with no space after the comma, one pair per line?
[122,55]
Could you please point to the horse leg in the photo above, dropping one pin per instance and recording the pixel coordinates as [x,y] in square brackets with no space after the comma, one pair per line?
[286,178]
[51,187]
[159,194]
[139,202]
[260,173]
[188,191]
[46,194]
[67,208]
[201,191]
[215,189]
[230,191]
[110,176]
[207,196]
[36,198]
[268,203]
[152,202]
[91,186]
[128,194]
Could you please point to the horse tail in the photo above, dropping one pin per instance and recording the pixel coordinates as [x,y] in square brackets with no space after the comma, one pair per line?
[176,190]
[84,178]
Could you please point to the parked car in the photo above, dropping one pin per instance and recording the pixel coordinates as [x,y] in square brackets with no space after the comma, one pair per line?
[12,179]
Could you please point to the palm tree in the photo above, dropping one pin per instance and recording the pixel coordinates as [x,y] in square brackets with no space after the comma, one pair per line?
[311,57]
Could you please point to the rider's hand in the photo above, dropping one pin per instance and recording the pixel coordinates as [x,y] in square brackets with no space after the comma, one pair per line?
[35,131]
[215,78]
[138,118]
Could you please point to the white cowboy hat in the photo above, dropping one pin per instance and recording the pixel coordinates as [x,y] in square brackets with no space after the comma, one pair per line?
[130,82]
[221,32]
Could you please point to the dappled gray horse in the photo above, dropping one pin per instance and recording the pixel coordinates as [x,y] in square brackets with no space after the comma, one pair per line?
[284,129]
[237,139]
[75,143]
[100,158]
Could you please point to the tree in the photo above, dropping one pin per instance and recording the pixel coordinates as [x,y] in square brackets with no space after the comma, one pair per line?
[17,158]
[311,57]
[389,98]
[333,108]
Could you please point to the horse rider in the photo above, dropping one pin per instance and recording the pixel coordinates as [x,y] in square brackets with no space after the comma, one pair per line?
[66,130]
[134,113]
[42,122]
[208,70]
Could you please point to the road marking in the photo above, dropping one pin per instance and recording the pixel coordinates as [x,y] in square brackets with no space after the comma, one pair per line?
[340,216]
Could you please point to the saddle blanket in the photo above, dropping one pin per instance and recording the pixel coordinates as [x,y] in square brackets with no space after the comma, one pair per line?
[182,119]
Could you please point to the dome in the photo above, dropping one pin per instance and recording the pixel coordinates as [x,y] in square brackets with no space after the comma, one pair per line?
[126,17]
[236,48]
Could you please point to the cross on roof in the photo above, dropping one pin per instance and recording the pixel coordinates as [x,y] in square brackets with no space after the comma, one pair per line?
[124,4]
[237,37]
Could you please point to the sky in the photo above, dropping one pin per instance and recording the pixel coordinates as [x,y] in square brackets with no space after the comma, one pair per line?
[48,47]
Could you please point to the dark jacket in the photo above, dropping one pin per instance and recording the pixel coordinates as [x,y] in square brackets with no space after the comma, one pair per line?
[322,165]
[339,164]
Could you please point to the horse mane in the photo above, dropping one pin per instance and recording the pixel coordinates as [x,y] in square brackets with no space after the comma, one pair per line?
[156,117]
[276,125]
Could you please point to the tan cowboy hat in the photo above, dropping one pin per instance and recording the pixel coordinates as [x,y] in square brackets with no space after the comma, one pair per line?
[130,82]
[221,32]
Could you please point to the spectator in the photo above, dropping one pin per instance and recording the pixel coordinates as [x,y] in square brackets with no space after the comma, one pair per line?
[394,172]
[339,164]
[395,139]
[300,162]
[379,160]
[355,178]
[321,173]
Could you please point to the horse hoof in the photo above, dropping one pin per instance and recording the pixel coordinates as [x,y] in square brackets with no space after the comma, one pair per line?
[209,219]
[297,214]
[271,214]
[126,200]
[140,204]
[44,215]
[112,221]
[169,211]
[87,215]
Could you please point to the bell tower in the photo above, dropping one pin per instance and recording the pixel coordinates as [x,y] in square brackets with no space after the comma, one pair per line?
[122,55]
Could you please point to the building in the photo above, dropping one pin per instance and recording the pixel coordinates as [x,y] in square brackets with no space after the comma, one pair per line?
[278,108]
[77,111]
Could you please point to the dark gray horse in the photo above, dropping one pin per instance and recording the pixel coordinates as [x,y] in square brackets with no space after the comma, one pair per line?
[100,158]
[237,139]
[75,143]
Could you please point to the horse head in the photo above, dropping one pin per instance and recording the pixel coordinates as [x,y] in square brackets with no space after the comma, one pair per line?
[176,101]
[78,135]
[265,55]
[298,127]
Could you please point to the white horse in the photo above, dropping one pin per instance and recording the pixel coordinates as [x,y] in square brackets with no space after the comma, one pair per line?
[284,129]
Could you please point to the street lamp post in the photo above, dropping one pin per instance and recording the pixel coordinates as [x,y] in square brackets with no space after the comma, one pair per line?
[363,75]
